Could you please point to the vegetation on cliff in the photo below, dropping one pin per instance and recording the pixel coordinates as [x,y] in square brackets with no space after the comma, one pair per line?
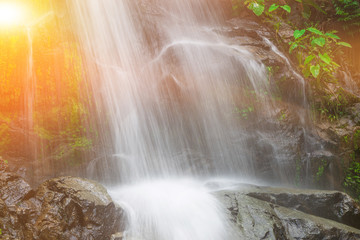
[43,111]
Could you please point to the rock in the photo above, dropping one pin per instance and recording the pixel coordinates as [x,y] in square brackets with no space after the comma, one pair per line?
[60,209]
[117,236]
[9,223]
[257,219]
[333,205]
[355,112]
[71,208]
[285,32]
[13,188]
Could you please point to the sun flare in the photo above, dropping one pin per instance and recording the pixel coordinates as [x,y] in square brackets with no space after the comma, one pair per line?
[11,14]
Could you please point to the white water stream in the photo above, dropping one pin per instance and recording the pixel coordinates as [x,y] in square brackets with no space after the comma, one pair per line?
[171,209]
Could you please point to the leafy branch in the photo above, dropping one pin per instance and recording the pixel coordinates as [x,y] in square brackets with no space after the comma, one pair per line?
[315,52]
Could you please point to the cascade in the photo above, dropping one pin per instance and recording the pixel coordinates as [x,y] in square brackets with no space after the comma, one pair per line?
[30,85]
[169,84]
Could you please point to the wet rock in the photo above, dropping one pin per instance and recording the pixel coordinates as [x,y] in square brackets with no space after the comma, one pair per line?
[338,139]
[71,208]
[355,112]
[332,205]
[9,223]
[13,188]
[60,209]
[257,219]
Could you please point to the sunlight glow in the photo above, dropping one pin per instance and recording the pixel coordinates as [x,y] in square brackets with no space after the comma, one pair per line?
[11,14]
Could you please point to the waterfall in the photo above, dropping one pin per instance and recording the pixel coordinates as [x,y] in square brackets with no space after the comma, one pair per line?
[168,84]
[29,95]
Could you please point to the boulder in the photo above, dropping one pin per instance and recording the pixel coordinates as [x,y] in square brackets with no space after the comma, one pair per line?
[71,208]
[65,208]
[334,205]
[258,219]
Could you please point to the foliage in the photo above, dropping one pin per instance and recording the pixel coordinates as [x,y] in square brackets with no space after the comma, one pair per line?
[282,116]
[244,112]
[314,49]
[259,6]
[333,105]
[42,107]
[307,6]
[352,179]
[348,11]
[321,170]
[352,173]
[356,140]
[316,52]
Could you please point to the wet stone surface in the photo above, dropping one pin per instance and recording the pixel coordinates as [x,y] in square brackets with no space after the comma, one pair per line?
[276,213]
[60,209]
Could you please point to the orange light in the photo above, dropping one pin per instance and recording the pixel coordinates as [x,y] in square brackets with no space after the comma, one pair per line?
[12,14]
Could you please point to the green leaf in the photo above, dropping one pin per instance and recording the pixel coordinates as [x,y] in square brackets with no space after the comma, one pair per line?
[309,59]
[273,7]
[332,35]
[286,8]
[257,8]
[325,58]
[314,30]
[345,44]
[315,70]
[319,41]
[293,46]
[298,33]
[326,69]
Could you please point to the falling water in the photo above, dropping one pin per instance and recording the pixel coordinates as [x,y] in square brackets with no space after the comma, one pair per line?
[168,84]
[169,87]
[29,94]
[31,84]
[30,90]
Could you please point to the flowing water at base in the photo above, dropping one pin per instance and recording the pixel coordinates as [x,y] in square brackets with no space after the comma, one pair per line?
[172,209]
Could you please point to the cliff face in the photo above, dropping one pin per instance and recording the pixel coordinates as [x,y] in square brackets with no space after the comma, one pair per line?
[326,153]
